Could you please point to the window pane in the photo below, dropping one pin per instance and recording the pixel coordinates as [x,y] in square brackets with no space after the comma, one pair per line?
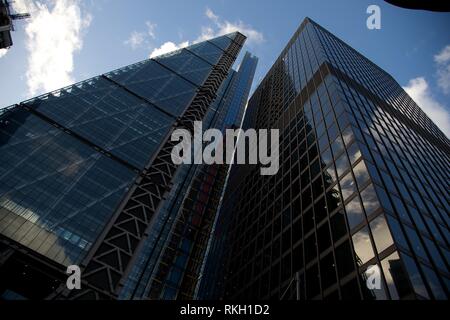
[344,259]
[381,234]
[395,275]
[363,246]
[342,164]
[432,249]
[57,193]
[370,200]
[414,276]
[361,174]
[434,284]
[354,153]
[348,186]
[338,227]
[354,212]
[415,242]
[397,232]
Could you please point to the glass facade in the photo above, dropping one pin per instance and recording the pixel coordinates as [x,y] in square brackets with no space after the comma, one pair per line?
[363,182]
[71,159]
[56,192]
[170,263]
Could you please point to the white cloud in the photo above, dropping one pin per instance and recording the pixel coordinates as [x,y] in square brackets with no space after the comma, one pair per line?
[219,27]
[54,33]
[139,39]
[168,47]
[211,15]
[135,40]
[3,52]
[151,29]
[443,56]
[207,33]
[222,27]
[419,91]
[442,60]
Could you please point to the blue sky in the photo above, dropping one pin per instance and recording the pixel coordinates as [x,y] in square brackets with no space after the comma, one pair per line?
[71,40]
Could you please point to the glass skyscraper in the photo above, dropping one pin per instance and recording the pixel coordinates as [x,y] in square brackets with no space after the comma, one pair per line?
[170,265]
[86,176]
[363,187]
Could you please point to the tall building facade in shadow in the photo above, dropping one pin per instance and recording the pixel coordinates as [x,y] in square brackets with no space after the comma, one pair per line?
[360,206]
[87,179]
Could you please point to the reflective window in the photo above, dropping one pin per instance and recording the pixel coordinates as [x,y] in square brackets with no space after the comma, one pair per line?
[326,156]
[414,276]
[348,186]
[388,181]
[432,249]
[337,146]
[353,152]
[109,117]
[395,275]
[361,174]
[187,65]
[363,246]
[342,164]
[417,219]
[401,210]
[57,193]
[355,213]
[223,42]
[323,142]
[370,200]
[433,282]
[416,244]
[397,232]
[347,134]
[207,51]
[330,174]
[381,234]
[384,199]
[373,173]
[434,231]
[159,85]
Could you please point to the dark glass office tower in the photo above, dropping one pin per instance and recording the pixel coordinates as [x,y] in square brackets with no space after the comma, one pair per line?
[86,172]
[363,181]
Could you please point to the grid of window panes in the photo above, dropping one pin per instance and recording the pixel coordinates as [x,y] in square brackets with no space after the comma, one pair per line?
[358,186]
[415,174]
[409,163]
[176,273]
[109,117]
[364,71]
[138,283]
[295,221]
[56,193]
[68,157]
[196,183]
[241,87]
[290,73]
